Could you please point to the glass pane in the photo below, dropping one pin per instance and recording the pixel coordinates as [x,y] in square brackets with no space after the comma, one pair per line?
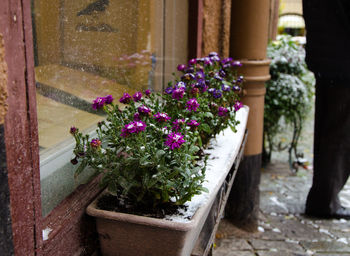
[90,48]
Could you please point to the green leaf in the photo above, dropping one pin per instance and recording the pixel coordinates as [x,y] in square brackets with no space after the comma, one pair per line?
[159,154]
[205,127]
[81,168]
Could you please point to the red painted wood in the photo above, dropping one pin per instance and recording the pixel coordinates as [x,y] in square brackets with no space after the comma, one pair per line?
[72,230]
[17,136]
[33,123]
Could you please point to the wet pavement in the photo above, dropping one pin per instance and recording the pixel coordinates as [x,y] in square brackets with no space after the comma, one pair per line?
[283,228]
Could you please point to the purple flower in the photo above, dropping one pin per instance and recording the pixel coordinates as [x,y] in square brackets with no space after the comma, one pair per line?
[133,127]
[178,123]
[200,75]
[125,99]
[137,96]
[181,67]
[144,110]
[192,104]
[193,124]
[73,130]
[109,99]
[137,116]
[95,143]
[236,88]
[226,60]
[225,87]
[215,58]
[192,61]
[178,93]
[217,94]
[236,63]
[218,77]
[212,54]
[222,73]
[98,103]
[240,79]
[169,90]
[222,111]
[188,76]
[181,85]
[162,117]
[174,140]
[148,92]
[238,105]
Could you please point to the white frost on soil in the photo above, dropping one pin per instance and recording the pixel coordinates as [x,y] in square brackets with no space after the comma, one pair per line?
[46,233]
[222,149]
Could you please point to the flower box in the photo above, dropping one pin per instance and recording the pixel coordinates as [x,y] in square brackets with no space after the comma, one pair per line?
[126,234]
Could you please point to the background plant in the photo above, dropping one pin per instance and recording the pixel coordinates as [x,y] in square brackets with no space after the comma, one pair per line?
[289,95]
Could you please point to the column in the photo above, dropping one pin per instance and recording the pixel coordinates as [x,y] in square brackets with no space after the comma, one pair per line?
[248,43]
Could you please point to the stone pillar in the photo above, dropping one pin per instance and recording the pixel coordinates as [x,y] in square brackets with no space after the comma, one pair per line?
[6,244]
[248,43]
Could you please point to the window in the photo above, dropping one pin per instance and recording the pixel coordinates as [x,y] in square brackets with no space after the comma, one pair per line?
[90,48]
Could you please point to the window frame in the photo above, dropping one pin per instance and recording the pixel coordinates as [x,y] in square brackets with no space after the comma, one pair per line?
[72,231]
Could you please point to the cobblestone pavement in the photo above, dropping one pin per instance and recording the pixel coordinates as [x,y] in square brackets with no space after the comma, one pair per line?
[283,229]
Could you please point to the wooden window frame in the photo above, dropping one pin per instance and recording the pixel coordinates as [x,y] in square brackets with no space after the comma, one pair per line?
[72,232]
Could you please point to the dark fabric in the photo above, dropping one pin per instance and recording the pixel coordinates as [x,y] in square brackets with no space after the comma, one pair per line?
[331,145]
[328,38]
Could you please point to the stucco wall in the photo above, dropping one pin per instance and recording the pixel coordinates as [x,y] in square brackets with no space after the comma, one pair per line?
[3,81]
[216,26]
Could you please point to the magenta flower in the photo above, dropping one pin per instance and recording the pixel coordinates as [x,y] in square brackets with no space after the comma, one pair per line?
[181,67]
[192,61]
[222,111]
[162,117]
[125,99]
[109,99]
[133,127]
[178,93]
[238,105]
[192,104]
[174,140]
[137,116]
[137,96]
[98,103]
[95,143]
[148,92]
[193,124]
[73,130]
[144,110]
[178,123]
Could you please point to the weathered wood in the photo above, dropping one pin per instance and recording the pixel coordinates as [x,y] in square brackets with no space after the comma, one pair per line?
[17,135]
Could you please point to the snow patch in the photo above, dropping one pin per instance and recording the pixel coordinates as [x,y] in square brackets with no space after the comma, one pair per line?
[223,148]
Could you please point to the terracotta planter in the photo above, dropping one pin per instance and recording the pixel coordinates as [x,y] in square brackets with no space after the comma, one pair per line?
[125,234]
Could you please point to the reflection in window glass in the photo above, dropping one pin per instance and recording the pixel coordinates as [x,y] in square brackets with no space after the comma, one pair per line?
[89,48]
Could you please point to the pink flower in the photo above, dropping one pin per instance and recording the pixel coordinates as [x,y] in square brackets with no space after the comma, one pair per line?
[193,124]
[137,96]
[178,123]
[109,99]
[133,127]
[162,117]
[238,105]
[192,104]
[98,103]
[144,110]
[174,140]
[178,93]
[125,99]
[222,111]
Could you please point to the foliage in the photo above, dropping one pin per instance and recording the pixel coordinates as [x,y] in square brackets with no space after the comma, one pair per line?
[149,151]
[289,94]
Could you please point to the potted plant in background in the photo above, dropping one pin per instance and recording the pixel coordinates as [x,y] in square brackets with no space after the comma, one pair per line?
[151,155]
[289,98]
